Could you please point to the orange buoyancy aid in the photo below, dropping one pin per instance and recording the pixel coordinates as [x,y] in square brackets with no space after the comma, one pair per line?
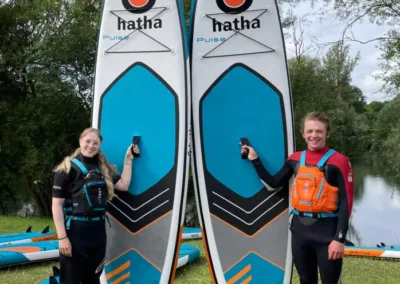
[311,193]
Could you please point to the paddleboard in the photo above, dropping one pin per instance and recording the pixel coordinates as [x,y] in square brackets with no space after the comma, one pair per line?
[27,237]
[28,252]
[191,233]
[187,254]
[378,251]
[240,89]
[141,91]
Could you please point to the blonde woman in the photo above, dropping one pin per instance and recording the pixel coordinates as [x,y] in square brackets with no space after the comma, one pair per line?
[83,183]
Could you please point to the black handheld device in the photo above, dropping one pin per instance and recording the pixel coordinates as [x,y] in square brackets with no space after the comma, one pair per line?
[135,141]
[245,141]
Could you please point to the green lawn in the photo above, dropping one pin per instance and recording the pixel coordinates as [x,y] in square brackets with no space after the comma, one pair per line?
[356,270]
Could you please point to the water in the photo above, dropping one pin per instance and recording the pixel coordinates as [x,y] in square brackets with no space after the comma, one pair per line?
[376,205]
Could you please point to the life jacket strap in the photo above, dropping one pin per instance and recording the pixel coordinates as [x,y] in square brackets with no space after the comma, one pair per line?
[325,158]
[80,166]
[69,218]
[314,215]
[321,162]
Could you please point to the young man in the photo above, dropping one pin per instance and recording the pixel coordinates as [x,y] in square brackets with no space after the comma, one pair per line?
[322,200]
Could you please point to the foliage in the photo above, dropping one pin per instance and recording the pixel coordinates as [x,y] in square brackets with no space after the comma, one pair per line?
[325,85]
[46,71]
[385,13]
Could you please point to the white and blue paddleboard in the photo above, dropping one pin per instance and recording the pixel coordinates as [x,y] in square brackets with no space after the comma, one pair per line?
[141,90]
[191,233]
[240,89]
[27,237]
[25,253]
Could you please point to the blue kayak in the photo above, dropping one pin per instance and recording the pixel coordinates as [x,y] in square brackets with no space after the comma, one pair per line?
[187,254]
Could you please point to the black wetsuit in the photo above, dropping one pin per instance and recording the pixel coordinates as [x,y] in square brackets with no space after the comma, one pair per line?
[312,236]
[88,238]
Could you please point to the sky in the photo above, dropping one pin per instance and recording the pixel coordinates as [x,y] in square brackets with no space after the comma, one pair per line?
[330,30]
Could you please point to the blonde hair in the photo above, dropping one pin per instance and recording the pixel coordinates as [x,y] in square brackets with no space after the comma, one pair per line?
[317,116]
[105,168]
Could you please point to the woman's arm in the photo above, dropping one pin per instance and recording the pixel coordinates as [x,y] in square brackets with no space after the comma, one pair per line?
[60,192]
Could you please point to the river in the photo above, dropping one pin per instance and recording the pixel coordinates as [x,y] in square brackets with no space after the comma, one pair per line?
[376,205]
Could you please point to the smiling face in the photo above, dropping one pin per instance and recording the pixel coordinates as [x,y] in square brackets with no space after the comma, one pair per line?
[315,133]
[90,144]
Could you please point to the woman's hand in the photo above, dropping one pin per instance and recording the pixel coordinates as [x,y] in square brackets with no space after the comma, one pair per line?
[129,156]
[252,154]
[65,247]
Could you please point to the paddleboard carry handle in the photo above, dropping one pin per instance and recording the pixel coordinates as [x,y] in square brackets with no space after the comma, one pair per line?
[135,141]
[245,141]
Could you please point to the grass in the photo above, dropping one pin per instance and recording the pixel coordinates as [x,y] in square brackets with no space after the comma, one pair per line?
[355,270]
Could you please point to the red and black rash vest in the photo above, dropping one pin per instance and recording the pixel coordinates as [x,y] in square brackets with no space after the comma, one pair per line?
[337,171]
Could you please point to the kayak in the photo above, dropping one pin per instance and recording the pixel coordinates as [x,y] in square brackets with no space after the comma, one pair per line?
[27,237]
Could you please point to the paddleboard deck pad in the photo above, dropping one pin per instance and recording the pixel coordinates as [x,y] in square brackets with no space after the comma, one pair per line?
[187,254]
[240,89]
[27,237]
[141,87]
[28,253]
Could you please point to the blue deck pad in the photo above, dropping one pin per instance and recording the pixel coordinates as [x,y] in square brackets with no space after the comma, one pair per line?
[241,104]
[140,103]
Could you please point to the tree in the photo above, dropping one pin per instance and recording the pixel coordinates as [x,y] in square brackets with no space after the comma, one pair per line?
[45,87]
[325,85]
[383,13]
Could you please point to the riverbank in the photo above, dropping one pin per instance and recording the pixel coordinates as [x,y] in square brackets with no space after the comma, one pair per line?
[356,270]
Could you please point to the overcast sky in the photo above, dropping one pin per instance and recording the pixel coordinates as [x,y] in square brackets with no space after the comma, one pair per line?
[331,30]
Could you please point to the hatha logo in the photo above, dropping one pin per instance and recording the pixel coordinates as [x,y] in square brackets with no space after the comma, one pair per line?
[138,6]
[234,6]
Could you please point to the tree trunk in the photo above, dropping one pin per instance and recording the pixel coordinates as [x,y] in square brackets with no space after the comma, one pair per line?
[38,202]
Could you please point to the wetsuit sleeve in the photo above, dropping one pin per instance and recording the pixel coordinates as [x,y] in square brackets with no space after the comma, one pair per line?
[116,178]
[283,176]
[61,184]
[345,182]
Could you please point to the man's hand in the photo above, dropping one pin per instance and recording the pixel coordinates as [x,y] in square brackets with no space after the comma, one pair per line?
[335,250]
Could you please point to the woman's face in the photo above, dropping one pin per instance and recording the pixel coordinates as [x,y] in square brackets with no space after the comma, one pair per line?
[90,144]
[315,134]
